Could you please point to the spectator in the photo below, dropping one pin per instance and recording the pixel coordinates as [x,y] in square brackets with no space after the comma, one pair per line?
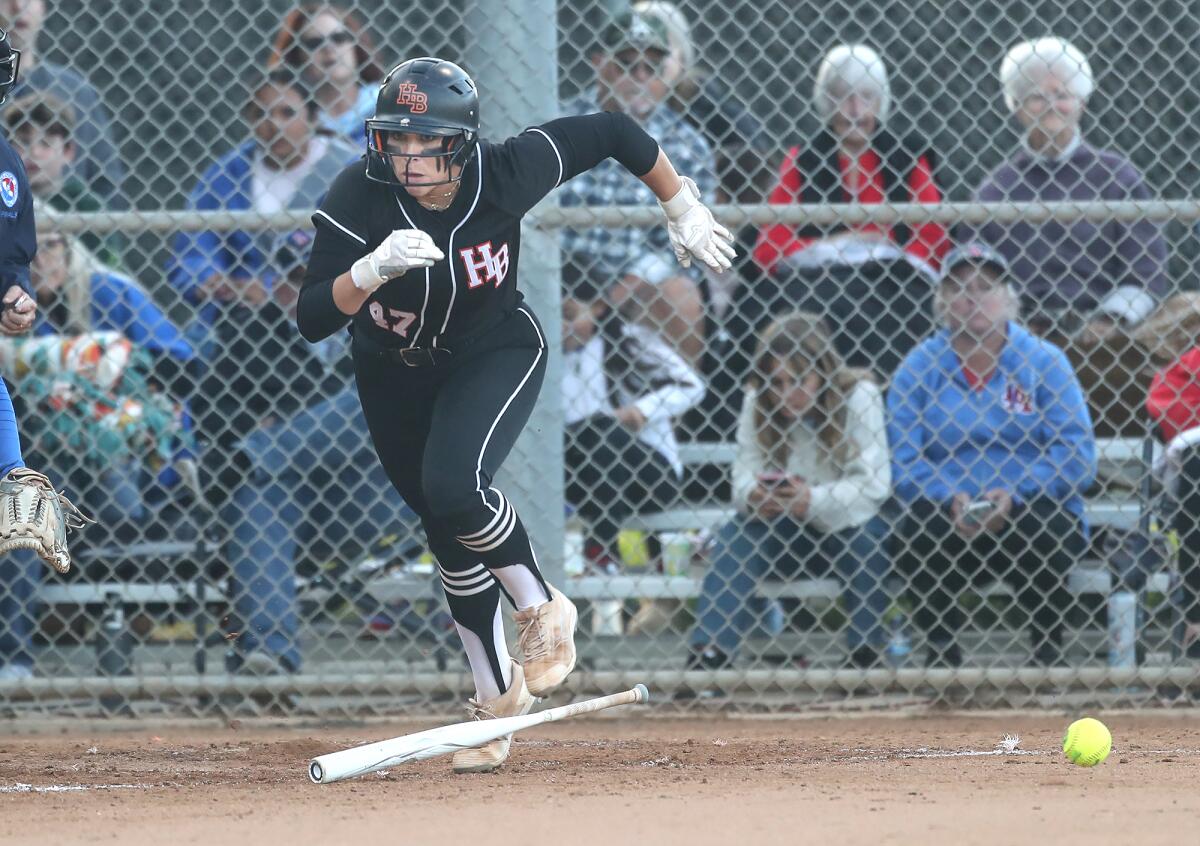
[1174,405]
[285,165]
[42,129]
[99,422]
[631,78]
[853,159]
[992,449]
[738,137]
[78,293]
[873,284]
[744,150]
[140,352]
[623,387]
[97,163]
[811,474]
[333,52]
[1069,274]
[306,470]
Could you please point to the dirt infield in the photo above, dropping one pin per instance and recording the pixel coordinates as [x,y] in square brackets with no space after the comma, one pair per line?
[742,781]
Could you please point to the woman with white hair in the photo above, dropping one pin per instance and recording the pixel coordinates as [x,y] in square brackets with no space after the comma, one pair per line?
[873,284]
[854,159]
[992,448]
[1104,274]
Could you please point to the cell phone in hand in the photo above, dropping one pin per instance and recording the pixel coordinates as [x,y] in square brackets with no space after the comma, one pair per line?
[978,511]
[772,480]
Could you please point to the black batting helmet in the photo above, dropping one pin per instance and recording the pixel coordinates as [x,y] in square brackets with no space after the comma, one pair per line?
[10,65]
[426,96]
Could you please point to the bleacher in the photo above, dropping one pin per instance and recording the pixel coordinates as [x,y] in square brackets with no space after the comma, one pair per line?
[1122,465]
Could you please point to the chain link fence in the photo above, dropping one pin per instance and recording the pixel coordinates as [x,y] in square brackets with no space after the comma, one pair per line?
[859,468]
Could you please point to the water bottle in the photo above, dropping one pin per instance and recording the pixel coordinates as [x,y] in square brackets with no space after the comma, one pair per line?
[1122,629]
[899,644]
[114,647]
[676,553]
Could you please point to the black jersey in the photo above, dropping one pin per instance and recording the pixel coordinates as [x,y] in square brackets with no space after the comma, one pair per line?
[480,233]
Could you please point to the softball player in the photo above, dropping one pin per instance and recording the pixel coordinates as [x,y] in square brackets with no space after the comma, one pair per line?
[417,249]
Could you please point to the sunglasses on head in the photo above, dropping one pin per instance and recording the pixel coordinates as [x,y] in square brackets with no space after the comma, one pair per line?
[314,43]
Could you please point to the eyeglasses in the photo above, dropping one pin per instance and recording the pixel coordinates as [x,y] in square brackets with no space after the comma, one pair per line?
[314,43]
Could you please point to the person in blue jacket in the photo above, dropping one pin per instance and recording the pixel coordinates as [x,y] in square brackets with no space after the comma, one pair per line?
[285,165]
[79,293]
[992,449]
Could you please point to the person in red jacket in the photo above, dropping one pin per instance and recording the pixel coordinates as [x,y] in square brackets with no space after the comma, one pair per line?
[872,284]
[1174,402]
[854,160]
[1174,405]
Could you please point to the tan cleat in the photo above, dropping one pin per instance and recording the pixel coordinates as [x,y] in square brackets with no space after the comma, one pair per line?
[512,703]
[546,638]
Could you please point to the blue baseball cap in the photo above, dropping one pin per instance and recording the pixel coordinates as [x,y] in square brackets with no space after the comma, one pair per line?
[974,253]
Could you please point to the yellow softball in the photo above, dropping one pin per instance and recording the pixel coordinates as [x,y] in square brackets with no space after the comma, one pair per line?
[1087,742]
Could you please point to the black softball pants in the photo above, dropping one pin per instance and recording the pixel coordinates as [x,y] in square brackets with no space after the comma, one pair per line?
[441,432]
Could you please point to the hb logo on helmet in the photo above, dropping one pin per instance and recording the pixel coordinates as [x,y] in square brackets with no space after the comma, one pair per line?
[8,188]
[412,97]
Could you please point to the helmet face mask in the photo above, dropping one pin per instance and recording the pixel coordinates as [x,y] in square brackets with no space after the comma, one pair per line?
[10,65]
[450,149]
[423,97]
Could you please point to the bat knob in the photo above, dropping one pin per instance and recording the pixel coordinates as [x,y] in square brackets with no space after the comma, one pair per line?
[643,695]
[316,772]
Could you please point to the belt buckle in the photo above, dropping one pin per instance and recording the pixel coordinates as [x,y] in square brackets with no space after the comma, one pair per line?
[422,356]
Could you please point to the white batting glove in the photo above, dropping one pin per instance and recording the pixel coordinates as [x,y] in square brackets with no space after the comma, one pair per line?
[399,253]
[693,231]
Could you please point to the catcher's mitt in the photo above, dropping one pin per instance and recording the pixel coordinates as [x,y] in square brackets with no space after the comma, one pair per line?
[35,516]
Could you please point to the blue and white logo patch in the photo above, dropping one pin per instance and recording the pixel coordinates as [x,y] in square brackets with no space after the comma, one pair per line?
[8,188]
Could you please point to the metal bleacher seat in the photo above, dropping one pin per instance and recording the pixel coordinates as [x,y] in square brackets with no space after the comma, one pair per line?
[1116,456]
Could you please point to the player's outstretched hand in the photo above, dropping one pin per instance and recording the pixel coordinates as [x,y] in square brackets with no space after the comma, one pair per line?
[694,233]
[399,253]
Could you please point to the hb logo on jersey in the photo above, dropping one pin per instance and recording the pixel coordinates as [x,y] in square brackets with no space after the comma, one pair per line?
[415,99]
[485,266]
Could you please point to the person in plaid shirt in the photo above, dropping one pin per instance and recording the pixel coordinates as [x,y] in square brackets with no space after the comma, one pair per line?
[635,76]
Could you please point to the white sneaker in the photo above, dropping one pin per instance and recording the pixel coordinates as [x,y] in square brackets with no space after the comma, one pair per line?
[16,672]
[512,703]
[546,638]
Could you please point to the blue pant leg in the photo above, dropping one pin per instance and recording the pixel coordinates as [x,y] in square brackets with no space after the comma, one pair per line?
[262,549]
[122,486]
[20,573]
[21,570]
[744,551]
[860,558]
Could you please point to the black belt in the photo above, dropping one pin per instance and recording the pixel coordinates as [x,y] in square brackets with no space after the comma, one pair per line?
[430,356]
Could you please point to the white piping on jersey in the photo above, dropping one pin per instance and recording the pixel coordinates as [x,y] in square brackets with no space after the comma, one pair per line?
[450,245]
[553,147]
[425,304]
[537,359]
[362,241]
